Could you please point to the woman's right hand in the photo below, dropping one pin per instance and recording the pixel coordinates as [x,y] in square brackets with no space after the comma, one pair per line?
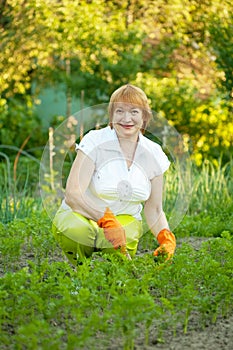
[113,230]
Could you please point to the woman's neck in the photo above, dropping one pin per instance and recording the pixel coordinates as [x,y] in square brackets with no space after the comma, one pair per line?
[128,147]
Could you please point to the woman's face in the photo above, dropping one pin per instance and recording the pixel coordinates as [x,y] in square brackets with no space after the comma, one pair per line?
[127,120]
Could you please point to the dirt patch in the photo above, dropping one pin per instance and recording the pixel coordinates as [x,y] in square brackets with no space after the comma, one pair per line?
[195,242]
[218,336]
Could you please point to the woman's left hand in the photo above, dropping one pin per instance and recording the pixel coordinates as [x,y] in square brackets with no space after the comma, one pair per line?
[167,243]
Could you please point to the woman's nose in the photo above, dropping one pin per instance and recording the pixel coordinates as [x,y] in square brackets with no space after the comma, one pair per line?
[127,115]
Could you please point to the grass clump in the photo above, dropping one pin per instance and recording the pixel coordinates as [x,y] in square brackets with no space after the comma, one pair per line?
[108,302]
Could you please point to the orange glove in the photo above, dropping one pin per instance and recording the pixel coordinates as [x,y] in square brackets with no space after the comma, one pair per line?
[167,242]
[113,230]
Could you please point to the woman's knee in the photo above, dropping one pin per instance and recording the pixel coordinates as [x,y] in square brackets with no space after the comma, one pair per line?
[75,227]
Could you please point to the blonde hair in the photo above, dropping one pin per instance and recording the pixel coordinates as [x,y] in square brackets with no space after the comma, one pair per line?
[132,95]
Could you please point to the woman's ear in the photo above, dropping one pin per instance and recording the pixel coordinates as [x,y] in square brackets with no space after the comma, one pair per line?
[143,128]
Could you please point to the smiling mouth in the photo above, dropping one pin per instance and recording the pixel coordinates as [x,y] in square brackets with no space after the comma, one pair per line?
[127,126]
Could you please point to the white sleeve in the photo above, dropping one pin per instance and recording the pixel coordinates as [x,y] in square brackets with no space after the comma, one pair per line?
[162,159]
[88,145]
[160,162]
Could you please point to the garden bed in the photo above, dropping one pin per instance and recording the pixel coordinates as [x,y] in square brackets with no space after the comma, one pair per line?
[110,303]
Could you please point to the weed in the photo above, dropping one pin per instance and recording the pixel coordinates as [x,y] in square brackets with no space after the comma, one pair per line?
[109,302]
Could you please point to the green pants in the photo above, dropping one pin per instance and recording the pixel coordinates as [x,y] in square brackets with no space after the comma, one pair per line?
[79,237]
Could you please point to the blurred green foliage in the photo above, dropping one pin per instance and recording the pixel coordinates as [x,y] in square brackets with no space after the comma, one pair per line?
[180,52]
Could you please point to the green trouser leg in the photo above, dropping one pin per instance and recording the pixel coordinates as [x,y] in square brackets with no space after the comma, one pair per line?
[74,234]
[74,252]
[80,237]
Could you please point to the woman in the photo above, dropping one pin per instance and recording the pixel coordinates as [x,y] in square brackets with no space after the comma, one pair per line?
[116,170]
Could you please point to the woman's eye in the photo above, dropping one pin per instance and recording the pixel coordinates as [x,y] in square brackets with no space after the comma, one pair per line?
[135,111]
[119,111]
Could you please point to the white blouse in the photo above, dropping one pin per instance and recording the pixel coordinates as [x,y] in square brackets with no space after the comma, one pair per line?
[120,188]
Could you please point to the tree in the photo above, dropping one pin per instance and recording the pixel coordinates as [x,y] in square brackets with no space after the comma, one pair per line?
[221,32]
[172,49]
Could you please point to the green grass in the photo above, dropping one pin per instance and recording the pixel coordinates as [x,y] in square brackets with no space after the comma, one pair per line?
[203,189]
[45,303]
[109,302]
[188,190]
[208,191]
[19,198]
